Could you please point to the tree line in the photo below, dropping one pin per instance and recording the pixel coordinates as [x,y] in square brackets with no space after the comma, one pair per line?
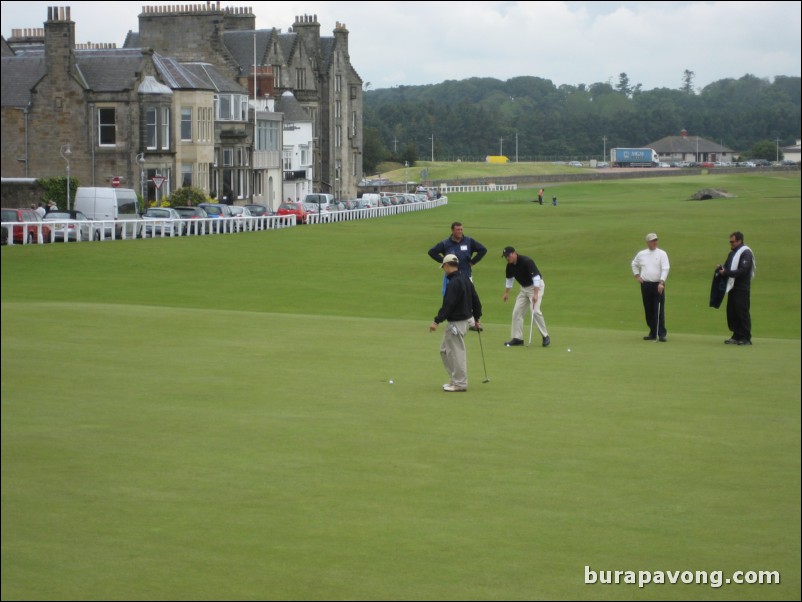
[470,119]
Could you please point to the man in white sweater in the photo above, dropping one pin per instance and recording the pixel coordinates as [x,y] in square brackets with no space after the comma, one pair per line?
[650,268]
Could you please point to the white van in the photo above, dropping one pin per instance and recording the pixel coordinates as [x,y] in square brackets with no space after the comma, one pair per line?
[373,198]
[111,204]
[324,200]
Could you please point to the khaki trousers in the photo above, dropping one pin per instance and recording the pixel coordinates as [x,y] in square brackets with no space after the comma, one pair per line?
[452,352]
[523,306]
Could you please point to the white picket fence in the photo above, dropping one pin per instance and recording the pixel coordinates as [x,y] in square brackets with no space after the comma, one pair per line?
[446,188]
[40,232]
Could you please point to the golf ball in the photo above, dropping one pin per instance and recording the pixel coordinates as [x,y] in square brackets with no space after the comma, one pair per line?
[569,350]
[391,382]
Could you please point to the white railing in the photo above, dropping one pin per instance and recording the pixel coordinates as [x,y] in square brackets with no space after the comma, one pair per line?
[352,214]
[478,188]
[42,232]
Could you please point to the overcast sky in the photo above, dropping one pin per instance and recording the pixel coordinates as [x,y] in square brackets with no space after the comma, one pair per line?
[413,43]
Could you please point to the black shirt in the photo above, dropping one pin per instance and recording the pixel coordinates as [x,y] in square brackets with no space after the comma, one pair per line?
[460,301]
[524,270]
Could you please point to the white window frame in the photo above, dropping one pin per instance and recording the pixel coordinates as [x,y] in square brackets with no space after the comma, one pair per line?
[105,127]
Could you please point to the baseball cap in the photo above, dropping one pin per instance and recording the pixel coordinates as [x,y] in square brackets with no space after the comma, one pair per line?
[507,250]
[651,236]
[450,258]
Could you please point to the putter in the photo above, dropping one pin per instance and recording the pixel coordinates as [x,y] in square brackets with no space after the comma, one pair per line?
[531,323]
[657,328]
[482,349]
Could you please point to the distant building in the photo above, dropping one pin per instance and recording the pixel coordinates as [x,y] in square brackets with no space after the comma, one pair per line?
[792,153]
[674,149]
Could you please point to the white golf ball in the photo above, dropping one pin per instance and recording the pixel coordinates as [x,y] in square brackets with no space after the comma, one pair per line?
[392,382]
[569,350]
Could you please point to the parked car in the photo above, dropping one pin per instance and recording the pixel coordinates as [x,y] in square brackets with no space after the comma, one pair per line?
[73,225]
[240,213]
[220,210]
[162,221]
[191,213]
[293,208]
[260,210]
[216,209]
[575,164]
[29,234]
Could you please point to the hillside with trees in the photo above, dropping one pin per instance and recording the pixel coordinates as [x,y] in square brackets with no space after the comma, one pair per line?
[470,119]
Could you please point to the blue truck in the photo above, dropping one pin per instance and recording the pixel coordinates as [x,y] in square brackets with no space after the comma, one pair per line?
[634,157]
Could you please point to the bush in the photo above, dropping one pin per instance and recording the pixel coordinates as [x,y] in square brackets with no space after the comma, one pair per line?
[55,189]
[188,195]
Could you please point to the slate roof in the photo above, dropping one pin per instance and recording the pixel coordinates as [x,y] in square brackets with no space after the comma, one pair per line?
[19,76]
[178,75]
[240,45]
[687,144]
[214,78]
[106,70]
[292,109]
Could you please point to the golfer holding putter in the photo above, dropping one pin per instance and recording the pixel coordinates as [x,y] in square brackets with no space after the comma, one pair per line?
[460,303]
[650,268]
[524,270]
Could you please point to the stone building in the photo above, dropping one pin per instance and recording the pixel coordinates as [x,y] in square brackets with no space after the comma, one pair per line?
[186,100]
[316,69]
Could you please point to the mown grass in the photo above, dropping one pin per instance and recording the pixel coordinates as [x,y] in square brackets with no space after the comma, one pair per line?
[447,170]
[212,419]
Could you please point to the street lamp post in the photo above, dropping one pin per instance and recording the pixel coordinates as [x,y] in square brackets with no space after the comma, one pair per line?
[140,159]
[432,148]
[66,153]
[406,176]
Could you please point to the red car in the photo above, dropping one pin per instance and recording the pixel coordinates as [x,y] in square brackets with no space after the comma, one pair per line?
[293,208]
[28,233]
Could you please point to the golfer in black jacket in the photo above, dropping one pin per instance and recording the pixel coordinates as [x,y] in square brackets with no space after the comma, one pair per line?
[460,304]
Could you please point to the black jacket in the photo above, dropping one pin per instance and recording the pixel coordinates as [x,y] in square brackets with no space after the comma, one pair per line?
[460,301]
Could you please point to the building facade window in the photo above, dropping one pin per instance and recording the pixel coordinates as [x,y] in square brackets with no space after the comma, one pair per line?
[338,109]
[277,76]
[287,158]
[338,136]
[165,128]
[353,123]
[157,128]
[186,174]
[304,150]
[268,135]
[150,127]
[107,126]
[300,79]
[231,107]
[186,124]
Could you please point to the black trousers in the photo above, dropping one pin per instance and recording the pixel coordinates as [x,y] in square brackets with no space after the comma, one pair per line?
[653,304]
[738,318]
